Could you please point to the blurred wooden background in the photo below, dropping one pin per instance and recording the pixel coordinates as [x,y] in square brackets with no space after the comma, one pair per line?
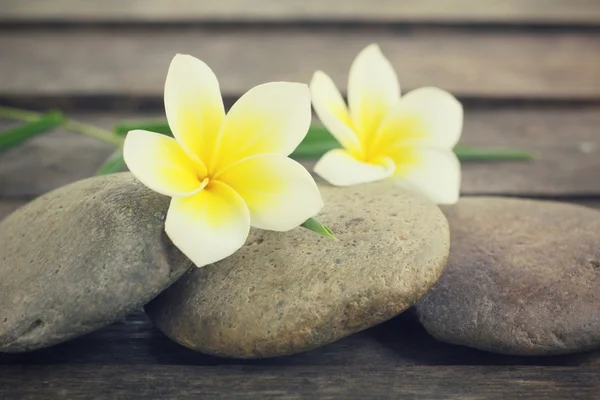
[527,72]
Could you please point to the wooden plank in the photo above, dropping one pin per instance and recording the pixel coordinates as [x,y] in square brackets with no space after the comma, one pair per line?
[137,382]
[48,162]
[133,62]
[9,205]
[399,342]
[564,140]
[377,11]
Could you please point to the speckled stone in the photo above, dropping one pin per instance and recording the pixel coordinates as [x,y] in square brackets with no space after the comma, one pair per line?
[523,278]
[285,293]
[81,257]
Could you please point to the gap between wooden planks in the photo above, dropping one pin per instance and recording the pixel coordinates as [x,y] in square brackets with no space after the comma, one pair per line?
[177,382]
[564,140]
[558,65]
[378,11]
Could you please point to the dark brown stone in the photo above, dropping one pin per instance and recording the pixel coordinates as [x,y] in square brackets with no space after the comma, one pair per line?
[285,293]
[81,257]
[522,278]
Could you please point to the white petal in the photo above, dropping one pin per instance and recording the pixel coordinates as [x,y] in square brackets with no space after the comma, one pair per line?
[373,89]
[280,193]
[194,105]
[210,225]
[270,118]
[429,115]
[332,110]
[160,163]
[435,172]
[340,168]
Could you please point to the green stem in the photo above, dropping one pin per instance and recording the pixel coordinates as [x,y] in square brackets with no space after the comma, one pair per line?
[318,148]
[93,132]
[21,115]
[474,154]
[69,124]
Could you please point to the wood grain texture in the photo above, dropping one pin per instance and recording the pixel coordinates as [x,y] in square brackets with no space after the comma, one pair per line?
[565,142]
[445,11]
[134,62]
[118,49]
[134,382]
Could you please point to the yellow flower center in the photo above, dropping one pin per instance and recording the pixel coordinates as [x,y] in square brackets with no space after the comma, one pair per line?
[204,183]
[391,140]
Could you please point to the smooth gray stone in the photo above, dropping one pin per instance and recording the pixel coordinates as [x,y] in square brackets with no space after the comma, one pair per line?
[523,278]
[81,257]
[284,293]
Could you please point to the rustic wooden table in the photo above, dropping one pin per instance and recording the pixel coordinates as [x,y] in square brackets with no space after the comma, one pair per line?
[527,71]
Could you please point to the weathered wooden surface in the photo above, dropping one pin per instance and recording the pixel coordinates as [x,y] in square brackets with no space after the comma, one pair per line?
[143,382]
[394,359]
[564,140]
[126,62]
[112,55]
[453,11]
[9,205]
[48,162]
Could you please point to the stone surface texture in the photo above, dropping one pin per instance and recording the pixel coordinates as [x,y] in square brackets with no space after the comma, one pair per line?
[81,257]
[285,293]
[523,278]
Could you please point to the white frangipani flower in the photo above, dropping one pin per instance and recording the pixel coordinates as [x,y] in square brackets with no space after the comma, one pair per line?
[386,136]
[226,173]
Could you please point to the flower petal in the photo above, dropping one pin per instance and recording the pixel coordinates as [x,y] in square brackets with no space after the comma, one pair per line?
[429,115]
[332,110]
[210,225]
[340,168]
[373,89]
[160,163]
[280,193]
[269,118]
[433,171]
[193,105]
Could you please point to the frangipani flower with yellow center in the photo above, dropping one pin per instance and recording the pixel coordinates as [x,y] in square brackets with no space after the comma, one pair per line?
[225,173]
[408,139]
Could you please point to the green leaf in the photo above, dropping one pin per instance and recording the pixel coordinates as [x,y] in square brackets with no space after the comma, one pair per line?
[158,126]
[114,163]
[314,149]
[19,134]
[317,133]
[473,154]
[317,142]
[314,225]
